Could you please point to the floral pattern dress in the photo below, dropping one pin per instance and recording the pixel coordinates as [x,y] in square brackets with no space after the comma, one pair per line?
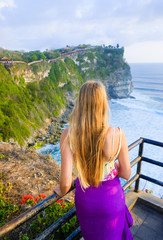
[110,171]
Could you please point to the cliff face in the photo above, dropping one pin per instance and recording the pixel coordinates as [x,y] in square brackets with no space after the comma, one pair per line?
[30,73]
[108,66]
[104,64]
[119,84]
[31,93]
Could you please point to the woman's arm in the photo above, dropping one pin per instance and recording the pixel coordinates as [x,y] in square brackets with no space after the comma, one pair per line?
[124,169]
[66,165]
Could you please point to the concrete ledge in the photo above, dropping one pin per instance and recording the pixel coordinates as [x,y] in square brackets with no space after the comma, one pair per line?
[151,201]
[145,198]
[131,199]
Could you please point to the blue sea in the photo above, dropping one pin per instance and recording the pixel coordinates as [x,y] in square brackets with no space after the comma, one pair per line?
[139,116]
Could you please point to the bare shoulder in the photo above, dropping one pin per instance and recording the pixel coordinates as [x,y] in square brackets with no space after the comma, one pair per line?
[109,133]
[119,132]
[64,132]
[64,135]
[114,130]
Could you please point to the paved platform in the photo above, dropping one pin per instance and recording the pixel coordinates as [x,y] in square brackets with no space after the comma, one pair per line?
[148,223]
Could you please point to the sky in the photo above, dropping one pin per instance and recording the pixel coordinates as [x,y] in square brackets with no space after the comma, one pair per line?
[50,24]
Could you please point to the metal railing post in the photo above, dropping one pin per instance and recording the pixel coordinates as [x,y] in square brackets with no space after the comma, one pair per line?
[139,166]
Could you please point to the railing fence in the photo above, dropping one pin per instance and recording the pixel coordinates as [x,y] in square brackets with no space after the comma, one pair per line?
[54,197]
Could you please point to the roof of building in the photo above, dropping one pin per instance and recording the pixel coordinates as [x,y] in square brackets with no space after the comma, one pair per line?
[4,58]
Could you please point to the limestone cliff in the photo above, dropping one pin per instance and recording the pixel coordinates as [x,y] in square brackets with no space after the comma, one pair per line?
[108,66]
[32,92]
[119,84]
[30,73]
[104,64]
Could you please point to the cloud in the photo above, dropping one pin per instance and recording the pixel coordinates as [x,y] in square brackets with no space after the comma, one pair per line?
[51,24]
[6,4]
[145,52]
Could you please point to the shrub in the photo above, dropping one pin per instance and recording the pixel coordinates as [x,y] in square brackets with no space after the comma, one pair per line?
[50,215]
[7,209]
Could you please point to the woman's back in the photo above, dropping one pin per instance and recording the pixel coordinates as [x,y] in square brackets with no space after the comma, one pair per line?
[112,146]
[115,146]
[112,143]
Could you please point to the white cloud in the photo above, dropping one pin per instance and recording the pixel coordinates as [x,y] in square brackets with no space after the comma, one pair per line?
[2,17]
[148,51]
[78,13]
[6,4]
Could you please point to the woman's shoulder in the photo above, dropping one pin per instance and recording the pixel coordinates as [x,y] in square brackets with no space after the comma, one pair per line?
[114,131]
[65,131]
[64,134]
[119,131]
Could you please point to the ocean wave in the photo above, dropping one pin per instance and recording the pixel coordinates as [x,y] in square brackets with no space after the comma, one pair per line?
[149,89]
[159,99]
[148,83]
[144,78]
[140,103]
[48,148]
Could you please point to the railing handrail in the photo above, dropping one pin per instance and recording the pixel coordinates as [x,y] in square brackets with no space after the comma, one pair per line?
[54,197]
[31,212]
[153,142]
[134,144]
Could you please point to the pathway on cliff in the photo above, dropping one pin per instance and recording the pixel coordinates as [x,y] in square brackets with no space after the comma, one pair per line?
[62,55]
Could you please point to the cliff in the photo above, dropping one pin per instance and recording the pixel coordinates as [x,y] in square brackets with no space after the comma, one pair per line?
[32,92]
[107,65]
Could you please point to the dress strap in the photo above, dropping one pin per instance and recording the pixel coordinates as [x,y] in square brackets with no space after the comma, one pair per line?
[119,146]
[120,139]
[69,139]
[112,144]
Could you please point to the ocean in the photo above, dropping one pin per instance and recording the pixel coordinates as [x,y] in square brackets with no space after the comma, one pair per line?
[141,115]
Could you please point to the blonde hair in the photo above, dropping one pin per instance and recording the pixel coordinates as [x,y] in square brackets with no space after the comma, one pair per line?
[87,131]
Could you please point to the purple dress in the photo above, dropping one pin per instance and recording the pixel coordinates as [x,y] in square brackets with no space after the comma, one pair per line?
[102,212]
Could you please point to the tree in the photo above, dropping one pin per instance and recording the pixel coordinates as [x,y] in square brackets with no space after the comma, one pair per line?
[34,57]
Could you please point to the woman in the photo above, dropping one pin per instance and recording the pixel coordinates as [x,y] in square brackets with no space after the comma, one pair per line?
[92,147]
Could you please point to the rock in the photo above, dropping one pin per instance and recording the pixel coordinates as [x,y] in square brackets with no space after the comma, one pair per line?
[119,84]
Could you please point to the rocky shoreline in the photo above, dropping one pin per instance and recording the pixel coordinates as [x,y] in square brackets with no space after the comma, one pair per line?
[52,130]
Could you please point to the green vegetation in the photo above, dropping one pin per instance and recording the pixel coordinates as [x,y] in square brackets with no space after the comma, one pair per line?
[43,220]
[50,215]
[39,145]
[42,66]
[46,218]
[29,56]
[24,106]
[7,209]
[102,61]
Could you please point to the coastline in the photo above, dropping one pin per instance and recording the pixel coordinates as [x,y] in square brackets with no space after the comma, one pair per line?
[52,130]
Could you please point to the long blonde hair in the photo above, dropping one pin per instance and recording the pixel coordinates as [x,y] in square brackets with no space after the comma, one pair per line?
[87,131]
